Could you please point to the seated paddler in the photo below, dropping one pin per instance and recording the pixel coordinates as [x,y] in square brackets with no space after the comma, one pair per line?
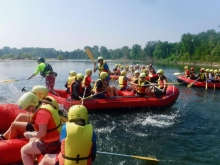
[142,85]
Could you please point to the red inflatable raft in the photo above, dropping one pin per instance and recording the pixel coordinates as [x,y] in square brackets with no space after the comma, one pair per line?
[122,103]
[10,150]
[150,78]
[212,85]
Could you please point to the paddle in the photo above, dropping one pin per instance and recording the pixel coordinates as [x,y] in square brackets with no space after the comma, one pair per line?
[206,85]
[13,80]
[176,73]
[191,84]
[83,96]
[156,84]
[91,96]
[88,52]
[129,156]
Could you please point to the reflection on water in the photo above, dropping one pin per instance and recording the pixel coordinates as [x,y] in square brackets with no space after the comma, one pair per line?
[187,133]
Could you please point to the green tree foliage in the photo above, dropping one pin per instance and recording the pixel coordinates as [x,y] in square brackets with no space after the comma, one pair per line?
[204,46]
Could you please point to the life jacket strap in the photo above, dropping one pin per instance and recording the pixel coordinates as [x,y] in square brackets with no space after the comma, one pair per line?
[77,159]
[50,130]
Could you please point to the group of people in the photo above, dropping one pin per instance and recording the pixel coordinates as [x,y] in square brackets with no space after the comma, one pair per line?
[79,86]
[209,75]
[71,143]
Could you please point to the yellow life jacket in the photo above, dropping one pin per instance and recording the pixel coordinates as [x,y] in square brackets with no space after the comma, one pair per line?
[77,144]
[70,79]
[141,88]
[54,128]
[122,83]
[101,68]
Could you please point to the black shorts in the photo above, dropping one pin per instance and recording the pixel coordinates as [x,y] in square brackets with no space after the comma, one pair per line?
[30,127]
[49,147]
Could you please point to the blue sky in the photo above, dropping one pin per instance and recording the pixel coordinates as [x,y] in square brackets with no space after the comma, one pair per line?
[68,25]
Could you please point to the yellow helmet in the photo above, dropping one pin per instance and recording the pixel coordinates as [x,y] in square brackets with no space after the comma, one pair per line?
[72,73]
[207,70]
[88,71]
[41,91]
[142,75]
[136,72]
[185,67]
[215,71]
[123,73]
[78,112]
[27,99]
[79,76]
[103,75]
[211,70]
[160,71]
[50,100]
[99,58]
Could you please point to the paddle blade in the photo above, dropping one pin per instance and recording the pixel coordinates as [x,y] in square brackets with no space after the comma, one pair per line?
[88,52]
[9,81]
[177,74]
[190,85]
[145,158]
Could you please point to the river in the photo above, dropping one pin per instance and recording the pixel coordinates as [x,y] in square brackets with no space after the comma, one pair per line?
[186,134]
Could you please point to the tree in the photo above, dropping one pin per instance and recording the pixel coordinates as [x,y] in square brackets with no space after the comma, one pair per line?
[136,52]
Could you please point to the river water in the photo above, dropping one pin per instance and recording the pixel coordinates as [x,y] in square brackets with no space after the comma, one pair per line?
[186,134]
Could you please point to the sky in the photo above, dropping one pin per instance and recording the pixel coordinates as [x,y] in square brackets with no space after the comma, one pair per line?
[68,25]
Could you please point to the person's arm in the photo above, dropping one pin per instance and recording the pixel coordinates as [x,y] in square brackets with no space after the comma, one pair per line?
[95,67]
[38,69]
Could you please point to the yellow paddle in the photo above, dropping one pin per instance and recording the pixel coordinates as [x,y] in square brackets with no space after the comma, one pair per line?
[176,73]
[88,52]
[13,80]
[129,156]
[206,85]
[191,84]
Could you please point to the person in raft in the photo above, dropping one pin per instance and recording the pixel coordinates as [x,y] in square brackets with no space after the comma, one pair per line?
[22,121]
[78,140]
[202,75]
[100,88]
[87,81]
[46,71]
[162,84]
[76,89]
[141,85]
[123,82]
[70,79]
[186,72]
[47,125]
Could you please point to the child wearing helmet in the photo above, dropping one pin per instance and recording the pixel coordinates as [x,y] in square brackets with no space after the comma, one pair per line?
[101,87]
[70,79]
[192,73]
[76,90]
[202,75]
[123,82]
[47,125]
[81,140]
[13,132]
[46,71]
[136,76]
[162,84]
[102,66]
[87,81]
[141,85]
[186,72]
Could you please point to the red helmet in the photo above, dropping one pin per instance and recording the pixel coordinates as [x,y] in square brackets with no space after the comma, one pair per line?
[143,67]
[202,70]
[191,68]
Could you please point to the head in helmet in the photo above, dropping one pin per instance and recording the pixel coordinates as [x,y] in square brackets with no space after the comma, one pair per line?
[215,71]
[79,77]
[103,75]
[28,101]
[142,75]
[207,70]
[100,58]
[88,71]
[123,73]
[160,71]
[78,112]
[185,67]
[40,91]
[202,70]
[137,72]
[40,60]
[50,100]
[121,67]
[72,73]
[211,70]
[192,69]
